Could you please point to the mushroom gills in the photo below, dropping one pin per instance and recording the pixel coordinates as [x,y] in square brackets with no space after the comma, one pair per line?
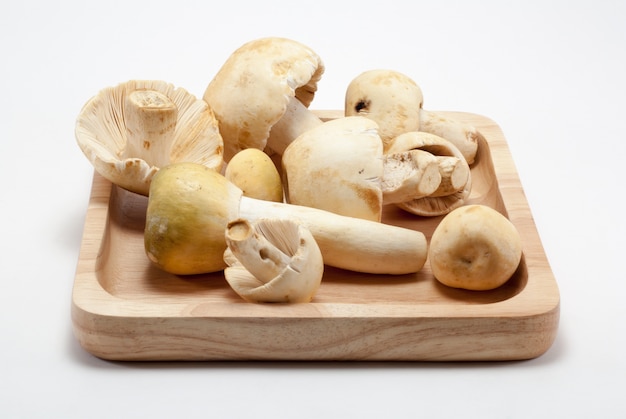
[272,260]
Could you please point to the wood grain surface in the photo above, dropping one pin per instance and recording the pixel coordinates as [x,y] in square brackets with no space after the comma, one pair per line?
[123,308]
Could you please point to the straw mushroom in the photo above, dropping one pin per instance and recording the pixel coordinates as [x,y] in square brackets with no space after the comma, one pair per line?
[131,130]
[262,92]
[190,206]
[456,181]
[476,248]
[395,101]
[272,260]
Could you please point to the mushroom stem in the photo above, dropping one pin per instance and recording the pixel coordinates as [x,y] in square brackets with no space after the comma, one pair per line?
[255,252]
[454,175]
[463,136]
[150,124]
[409,175]
[347,242]
[296,120]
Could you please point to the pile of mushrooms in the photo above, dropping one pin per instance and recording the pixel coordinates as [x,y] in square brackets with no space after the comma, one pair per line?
[249,181]
[395,102]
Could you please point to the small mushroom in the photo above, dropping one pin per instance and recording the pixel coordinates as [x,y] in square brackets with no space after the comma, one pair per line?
[395,101]
[339,167]
[131,130]
[272,260]
[190,206]
[261,94]
[254,172]
[455,185]
[474,247]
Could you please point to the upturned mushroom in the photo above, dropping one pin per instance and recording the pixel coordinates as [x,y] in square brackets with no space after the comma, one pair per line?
[339,166]
[474,247]
[190,206]
[395,102]
[131,130]
[262,92]
[272,261]
[456,180]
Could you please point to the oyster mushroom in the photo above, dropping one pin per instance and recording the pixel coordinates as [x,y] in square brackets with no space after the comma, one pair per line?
[261,93]
[395,102]
[131,130]
[190,206]
[456,181]
[272,260]
[474,247]
[339,167]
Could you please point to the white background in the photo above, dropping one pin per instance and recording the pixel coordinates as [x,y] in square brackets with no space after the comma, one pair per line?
[550,73]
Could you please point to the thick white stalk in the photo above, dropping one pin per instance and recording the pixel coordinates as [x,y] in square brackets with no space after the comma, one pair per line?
[296,120]
[150,118]
[349,243]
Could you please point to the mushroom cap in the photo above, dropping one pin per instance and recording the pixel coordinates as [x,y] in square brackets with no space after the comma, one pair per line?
[101,134]
[251,90]
[431,205]
[254,172]
[474,247]
[390,98]
[189,207]
[337,167]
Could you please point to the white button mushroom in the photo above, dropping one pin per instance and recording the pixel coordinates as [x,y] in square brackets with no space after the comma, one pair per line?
[131,130]
[272,260]
[395,102]
[261,94]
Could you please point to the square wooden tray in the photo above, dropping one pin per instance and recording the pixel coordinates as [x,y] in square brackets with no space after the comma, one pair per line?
[123,308]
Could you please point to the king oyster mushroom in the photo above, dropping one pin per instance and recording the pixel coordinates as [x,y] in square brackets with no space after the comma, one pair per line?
[395,101]
[128,132]
[190,206]
[261,93]
[272,260]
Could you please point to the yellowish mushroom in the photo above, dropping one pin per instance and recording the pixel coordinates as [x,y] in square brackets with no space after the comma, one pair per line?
[254,172]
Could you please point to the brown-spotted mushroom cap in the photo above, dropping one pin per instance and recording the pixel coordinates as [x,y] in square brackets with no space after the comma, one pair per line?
[129,131]
[447,197]
[252,90]
[337,167]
